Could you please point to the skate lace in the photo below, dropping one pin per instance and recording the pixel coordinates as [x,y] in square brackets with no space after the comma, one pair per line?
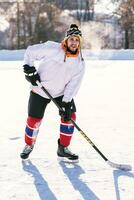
[68,151]
[28,149]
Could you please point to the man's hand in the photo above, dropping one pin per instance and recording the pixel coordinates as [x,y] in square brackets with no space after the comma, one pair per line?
[31,74]
[66,113]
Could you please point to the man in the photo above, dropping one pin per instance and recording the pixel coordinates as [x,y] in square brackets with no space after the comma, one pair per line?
[60,71]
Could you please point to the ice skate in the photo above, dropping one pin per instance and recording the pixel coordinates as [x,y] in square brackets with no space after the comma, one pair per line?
[26,151]
[64,154]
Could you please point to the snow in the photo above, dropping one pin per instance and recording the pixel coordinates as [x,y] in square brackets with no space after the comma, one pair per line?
[4,24]
[105,107]
[93,54]
[109,54]
[11,55]
[106,6]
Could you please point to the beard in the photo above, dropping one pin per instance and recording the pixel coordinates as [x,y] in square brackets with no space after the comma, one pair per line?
[72,52]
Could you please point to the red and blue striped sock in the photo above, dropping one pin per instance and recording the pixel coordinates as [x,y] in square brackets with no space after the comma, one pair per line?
[66,131]
[31,130]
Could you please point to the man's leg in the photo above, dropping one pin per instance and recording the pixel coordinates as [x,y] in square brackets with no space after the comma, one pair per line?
[36,109]
[66,133]
[32,129]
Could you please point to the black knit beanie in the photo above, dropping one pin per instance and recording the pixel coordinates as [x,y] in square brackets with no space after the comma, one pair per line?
[73,31]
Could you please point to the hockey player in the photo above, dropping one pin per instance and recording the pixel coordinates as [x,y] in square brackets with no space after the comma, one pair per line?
[60,71]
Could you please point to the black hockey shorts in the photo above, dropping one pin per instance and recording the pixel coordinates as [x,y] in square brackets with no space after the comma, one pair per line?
[37,105]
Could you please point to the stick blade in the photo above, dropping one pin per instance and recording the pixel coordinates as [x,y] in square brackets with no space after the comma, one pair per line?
[123,167]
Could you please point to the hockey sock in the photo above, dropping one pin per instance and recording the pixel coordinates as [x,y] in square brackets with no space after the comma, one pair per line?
[66,131]
[32,129]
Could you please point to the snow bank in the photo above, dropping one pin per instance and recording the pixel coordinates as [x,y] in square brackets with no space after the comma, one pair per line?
[12,55]
[109,54]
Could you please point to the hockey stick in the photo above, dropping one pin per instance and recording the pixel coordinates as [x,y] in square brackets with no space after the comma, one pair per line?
[114,165]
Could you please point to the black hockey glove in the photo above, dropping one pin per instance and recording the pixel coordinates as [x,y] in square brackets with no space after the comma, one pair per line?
[66,113]
[31,74]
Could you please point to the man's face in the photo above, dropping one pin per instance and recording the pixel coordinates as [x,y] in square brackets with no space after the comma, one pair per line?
[73,43]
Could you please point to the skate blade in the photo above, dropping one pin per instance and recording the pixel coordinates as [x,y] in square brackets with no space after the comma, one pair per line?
[66,160]
[25,160]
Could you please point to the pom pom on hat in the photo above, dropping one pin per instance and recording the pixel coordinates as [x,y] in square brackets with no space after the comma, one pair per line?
[73,26]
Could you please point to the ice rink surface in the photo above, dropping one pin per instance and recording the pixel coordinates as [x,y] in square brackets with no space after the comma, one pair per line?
[105,112]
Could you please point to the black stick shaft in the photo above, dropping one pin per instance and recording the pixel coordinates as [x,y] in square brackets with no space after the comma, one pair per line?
[73,122]
[88,139]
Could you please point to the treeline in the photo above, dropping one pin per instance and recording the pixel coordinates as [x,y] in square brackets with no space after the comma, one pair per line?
[125,12]
[26,22]
[33,21]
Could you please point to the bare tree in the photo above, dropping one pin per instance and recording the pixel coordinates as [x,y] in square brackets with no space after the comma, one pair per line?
[126,13]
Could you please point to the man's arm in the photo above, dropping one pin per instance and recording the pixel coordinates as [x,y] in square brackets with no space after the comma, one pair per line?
[39,51]
[33,53]
[73,86]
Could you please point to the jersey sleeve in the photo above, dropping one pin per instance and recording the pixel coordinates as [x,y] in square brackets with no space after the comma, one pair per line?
[38,51]
[73,86]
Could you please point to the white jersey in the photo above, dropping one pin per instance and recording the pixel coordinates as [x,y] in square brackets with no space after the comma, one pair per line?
[58,77]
